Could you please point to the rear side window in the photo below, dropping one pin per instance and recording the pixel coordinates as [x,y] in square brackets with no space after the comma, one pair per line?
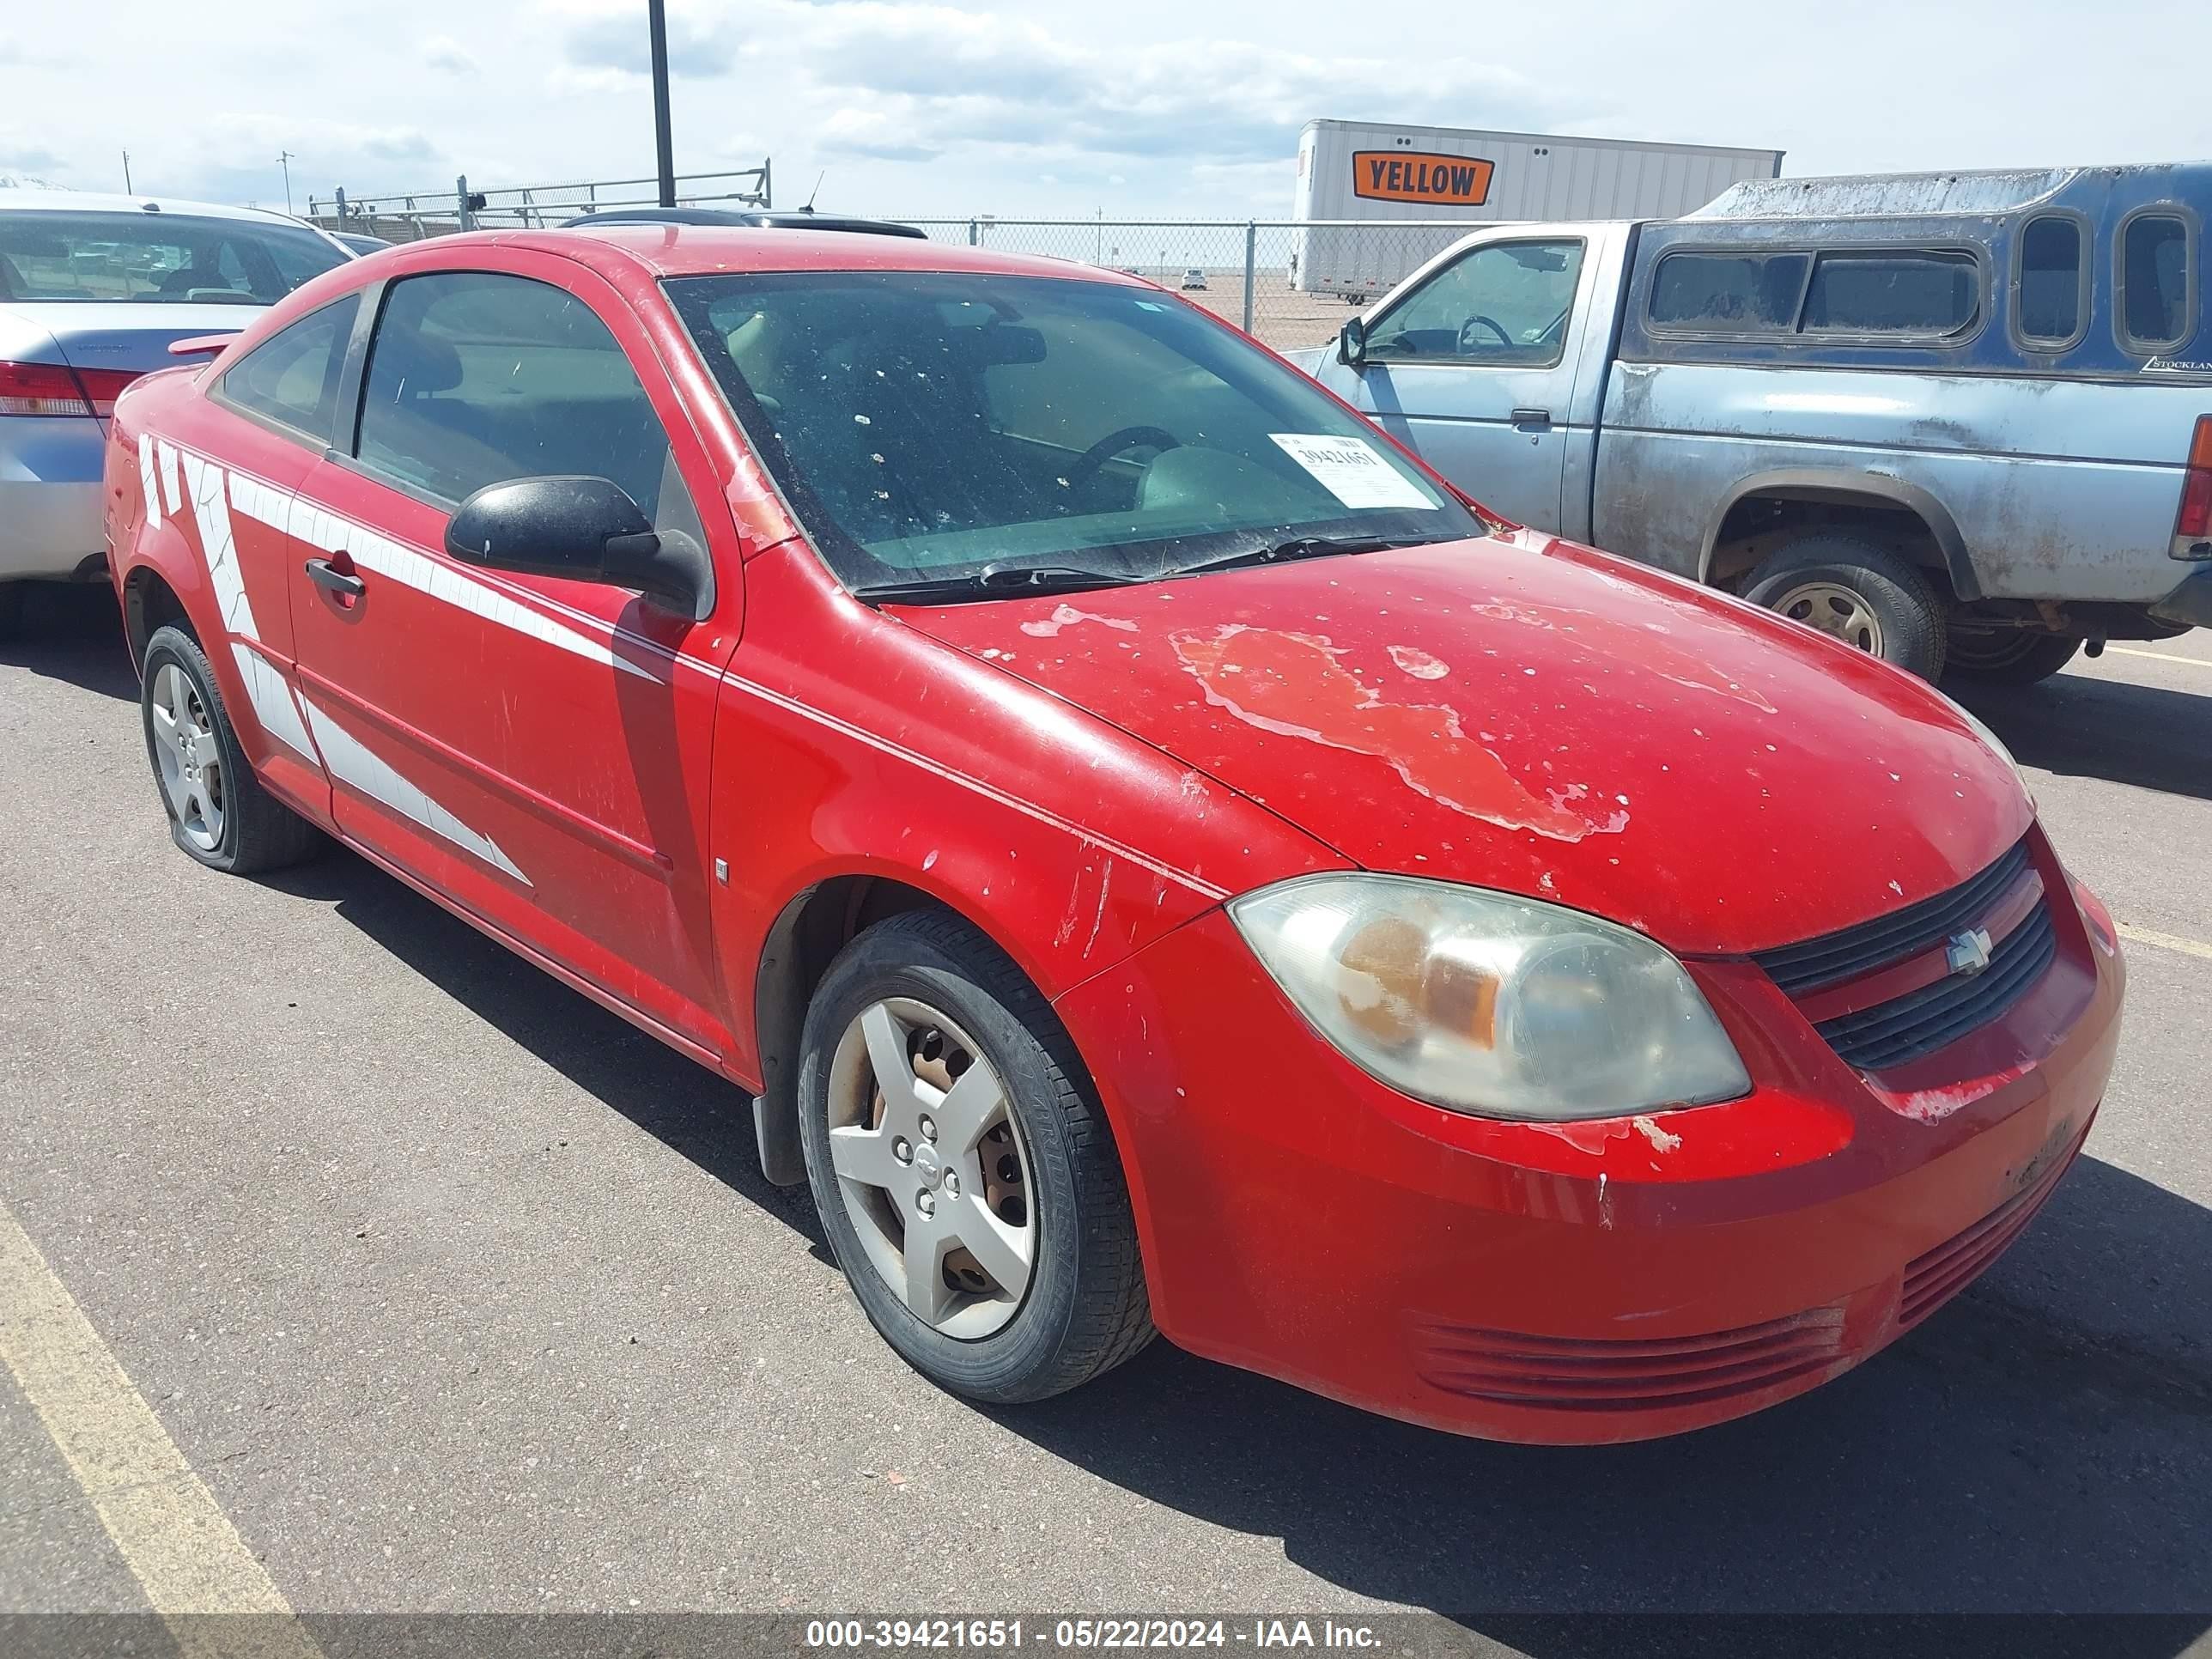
[2157,283]
[1729,293]
[1892,292]
[2050,293]
[292,377]
[476,378]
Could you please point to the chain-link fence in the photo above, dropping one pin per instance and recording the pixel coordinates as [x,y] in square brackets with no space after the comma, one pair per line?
[1287,282]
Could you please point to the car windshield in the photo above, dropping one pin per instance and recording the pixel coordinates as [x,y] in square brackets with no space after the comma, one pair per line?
[77,255]
[939,427]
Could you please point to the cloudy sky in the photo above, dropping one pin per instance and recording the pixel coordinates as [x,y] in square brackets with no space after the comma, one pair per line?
[1173,108]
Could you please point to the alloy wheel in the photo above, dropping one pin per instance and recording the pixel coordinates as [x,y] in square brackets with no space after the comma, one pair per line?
[189,757]
[931,1167]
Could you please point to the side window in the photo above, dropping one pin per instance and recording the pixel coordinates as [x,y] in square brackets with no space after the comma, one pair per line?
[1727,293]
[1892,291]
[1506,305]
[2050,289]
[292,377]
[2157,283]
[474,378]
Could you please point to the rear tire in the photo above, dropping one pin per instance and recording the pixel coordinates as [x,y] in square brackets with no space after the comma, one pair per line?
[219,814]
[2006,656]
[1053,1293]
[1853,591]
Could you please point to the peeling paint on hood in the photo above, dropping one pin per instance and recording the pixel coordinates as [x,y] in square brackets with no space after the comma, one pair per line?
[1600,736]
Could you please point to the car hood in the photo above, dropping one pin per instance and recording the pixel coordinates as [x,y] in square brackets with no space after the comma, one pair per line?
[1526,714]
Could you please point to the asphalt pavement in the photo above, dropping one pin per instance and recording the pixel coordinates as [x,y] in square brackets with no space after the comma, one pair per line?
[454,1292]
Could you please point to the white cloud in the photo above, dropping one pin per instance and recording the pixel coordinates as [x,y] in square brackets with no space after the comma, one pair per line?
[442,51]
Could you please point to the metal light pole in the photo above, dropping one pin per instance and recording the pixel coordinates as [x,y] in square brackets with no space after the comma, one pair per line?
[126,172]
[664,143]
[284,161]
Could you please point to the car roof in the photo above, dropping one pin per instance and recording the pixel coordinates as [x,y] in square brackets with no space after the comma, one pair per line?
[759,218]
[666,250]
[91,201]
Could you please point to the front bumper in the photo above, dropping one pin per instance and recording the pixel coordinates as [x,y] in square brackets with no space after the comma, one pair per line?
[1575,1284]
[50,495]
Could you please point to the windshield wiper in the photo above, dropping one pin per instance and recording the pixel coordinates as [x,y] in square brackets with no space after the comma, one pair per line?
[991,581]
[1304,547]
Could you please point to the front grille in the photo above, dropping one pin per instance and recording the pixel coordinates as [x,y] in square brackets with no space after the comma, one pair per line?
[1560,1373]
[1850,951]
[1921,1022]
[1934,1278]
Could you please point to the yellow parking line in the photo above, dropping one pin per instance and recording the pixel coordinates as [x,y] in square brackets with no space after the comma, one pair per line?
[2188,947]
[180,1545]
[2158,656]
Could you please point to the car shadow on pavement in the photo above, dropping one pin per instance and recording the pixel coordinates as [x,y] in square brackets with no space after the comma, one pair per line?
[2079,726]
[674,1099]
[2043,1444]
[72,632]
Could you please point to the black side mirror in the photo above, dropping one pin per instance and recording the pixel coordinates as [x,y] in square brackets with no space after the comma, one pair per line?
[1352,342]
[587,529]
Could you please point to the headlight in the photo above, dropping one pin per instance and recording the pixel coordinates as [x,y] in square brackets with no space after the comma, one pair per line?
[1481,1002]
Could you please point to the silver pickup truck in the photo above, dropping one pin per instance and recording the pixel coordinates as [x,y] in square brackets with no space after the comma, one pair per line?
[1961,419]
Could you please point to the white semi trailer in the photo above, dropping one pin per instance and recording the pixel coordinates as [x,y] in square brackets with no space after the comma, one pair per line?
[1391,179]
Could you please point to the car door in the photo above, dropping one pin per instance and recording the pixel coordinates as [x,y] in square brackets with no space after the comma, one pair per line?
[234,478]
[535,749]
[1470,364]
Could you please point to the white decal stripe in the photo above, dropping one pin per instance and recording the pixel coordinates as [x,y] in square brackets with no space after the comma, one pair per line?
[261,502]
[352,762]
[165,463]
[271,697]
[410,569]
[206,481]
[150,486]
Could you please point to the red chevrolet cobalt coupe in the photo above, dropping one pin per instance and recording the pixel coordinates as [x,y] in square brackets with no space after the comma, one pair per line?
[1157,856]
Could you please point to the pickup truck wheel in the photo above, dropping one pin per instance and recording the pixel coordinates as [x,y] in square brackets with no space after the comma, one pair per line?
[963,1166]
[2006,656]
[1856,591]
[219,813]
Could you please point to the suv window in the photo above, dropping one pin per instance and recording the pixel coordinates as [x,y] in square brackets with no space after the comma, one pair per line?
[292,377]
[2155,281]
[1892,291]
[1506,304]
[474,378]
[2050,286]
[1729,293]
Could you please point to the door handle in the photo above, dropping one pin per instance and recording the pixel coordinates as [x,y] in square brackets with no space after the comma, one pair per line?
[1530,416]
[325,574]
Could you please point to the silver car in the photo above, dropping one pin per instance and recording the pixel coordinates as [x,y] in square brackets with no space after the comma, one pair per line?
[93,289]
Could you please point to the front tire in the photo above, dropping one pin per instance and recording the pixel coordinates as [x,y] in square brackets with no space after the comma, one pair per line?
[219,814]
[1854,591]
[964,1168]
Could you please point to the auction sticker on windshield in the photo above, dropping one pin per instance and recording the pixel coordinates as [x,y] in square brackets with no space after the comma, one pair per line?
[1350,470]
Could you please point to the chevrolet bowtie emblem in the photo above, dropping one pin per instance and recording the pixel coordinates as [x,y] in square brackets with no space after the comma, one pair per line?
[1968,953]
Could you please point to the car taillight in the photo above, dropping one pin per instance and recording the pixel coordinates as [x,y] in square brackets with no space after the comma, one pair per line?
[58,389]
[2195,523]
[102,386]
[41,389]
